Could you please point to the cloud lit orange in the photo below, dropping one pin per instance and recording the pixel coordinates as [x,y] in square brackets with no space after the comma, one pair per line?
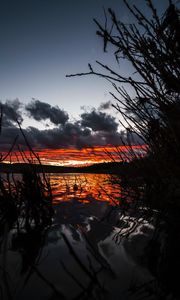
[78,157]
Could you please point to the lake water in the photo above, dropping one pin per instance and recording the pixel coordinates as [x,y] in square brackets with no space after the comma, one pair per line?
[83,187]
[78,256]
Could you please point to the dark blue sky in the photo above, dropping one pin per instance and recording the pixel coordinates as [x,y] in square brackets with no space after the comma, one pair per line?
[43,40]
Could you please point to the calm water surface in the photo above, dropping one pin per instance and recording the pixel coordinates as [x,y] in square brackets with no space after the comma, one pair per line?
[77,257]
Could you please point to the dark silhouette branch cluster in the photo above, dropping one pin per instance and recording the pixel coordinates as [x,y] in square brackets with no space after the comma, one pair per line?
[152,46]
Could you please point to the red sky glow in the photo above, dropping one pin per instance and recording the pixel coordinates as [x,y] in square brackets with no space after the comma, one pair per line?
[80,157]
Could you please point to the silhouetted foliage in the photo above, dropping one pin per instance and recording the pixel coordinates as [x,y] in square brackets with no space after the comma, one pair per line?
[25,200]
[151,45]
[25,211]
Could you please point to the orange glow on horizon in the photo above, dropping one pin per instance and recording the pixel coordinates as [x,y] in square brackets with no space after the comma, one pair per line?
[79,157]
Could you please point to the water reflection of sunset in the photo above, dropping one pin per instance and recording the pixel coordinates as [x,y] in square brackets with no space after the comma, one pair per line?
[84,187]
[79,157]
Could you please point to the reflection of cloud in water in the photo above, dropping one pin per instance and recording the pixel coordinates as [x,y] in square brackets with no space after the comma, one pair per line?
[89,223]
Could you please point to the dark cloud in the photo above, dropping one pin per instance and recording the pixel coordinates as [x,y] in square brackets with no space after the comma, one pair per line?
[8,136]
[105,105]
[71,135]
[43,111]
[95,128]
[11,112]
[98,121]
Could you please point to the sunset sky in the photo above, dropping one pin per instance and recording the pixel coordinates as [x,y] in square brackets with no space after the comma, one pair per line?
[41,42]
[78,157]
